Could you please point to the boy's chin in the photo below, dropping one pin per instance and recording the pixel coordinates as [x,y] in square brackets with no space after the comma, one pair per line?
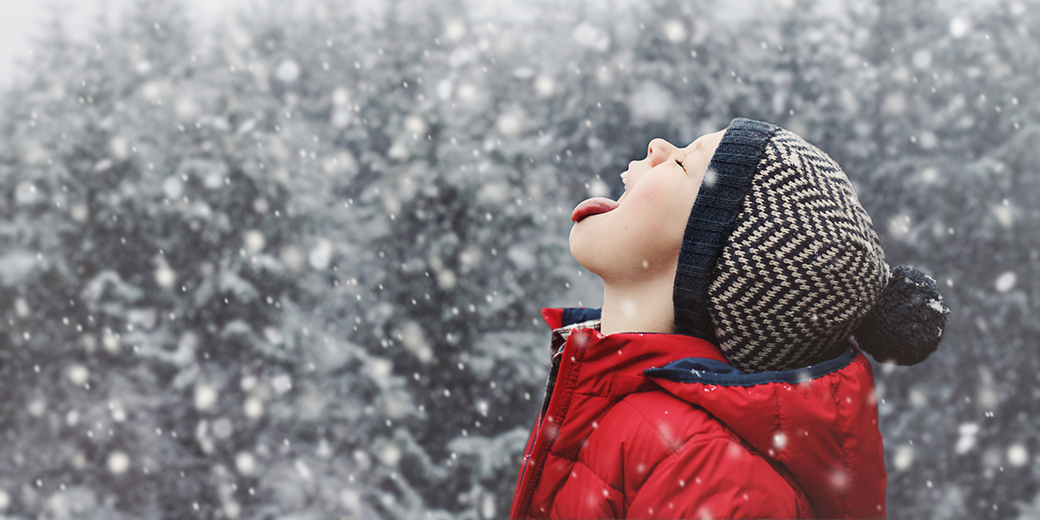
[584,251]
[594,256]
[617,263]
[581,258]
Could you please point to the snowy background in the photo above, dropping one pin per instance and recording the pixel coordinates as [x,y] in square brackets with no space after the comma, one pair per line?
[287,263]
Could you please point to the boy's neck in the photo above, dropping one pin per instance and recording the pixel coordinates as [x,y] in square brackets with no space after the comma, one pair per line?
[642,307]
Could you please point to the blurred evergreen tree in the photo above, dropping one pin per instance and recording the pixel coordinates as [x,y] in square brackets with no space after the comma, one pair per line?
[294,266]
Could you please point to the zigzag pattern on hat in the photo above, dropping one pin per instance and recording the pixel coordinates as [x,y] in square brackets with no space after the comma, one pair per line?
[802,267]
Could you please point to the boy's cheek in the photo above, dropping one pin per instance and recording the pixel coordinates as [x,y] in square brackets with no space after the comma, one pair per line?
[655,204]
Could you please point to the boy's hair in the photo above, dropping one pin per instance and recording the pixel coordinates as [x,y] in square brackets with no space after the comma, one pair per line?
[780,263]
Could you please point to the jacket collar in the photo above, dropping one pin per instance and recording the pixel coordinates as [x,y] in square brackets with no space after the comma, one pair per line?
[613,365]
[623,356]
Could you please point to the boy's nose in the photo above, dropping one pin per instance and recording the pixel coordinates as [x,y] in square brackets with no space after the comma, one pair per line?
[659,151]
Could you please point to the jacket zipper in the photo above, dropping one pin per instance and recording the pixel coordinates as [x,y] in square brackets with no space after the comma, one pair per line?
[550,388]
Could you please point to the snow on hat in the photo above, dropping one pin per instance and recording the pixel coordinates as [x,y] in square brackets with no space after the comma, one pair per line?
[780,263]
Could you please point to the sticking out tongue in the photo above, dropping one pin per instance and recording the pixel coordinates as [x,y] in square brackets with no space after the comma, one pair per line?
[593,206]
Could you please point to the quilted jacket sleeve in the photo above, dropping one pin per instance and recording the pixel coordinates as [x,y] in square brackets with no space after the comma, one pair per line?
[717,477]
[653,456]
[678,461]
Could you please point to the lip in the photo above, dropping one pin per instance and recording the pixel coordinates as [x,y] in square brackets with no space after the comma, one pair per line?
[591,207]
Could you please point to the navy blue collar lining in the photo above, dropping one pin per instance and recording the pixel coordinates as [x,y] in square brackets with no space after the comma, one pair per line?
[573,315]
[711,372]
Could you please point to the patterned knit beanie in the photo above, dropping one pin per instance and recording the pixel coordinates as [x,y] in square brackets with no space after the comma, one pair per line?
[780,263]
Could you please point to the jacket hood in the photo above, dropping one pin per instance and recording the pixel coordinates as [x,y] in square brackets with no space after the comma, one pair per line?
[819,422]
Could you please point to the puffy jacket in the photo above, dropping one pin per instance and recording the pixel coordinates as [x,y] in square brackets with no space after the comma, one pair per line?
[659,426]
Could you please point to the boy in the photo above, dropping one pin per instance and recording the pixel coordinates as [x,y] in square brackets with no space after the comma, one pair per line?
[719,380]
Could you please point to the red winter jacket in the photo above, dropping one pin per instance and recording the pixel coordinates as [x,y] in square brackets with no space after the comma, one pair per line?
[659,426]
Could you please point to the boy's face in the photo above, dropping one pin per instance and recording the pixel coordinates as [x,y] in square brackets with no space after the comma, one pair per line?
[639,237]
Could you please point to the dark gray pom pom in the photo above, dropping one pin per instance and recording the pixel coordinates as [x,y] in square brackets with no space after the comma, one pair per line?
[907,323]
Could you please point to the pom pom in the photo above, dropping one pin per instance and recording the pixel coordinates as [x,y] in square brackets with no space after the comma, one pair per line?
[907,322]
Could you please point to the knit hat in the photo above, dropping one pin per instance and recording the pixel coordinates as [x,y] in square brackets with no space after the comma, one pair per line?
[780,263]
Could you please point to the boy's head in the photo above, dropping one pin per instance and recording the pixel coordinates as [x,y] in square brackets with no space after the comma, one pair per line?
[773,257]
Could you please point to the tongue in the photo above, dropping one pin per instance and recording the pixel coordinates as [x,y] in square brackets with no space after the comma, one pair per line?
[593,206]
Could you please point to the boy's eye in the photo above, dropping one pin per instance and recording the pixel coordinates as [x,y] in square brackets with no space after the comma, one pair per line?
[680,164]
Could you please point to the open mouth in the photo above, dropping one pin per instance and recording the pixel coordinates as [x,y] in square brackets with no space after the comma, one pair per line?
[593,206]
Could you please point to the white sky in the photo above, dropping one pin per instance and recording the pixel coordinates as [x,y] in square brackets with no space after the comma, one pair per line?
[21,20]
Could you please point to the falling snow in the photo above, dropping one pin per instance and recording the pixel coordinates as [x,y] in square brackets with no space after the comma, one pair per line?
[1006,281]
[291,263]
